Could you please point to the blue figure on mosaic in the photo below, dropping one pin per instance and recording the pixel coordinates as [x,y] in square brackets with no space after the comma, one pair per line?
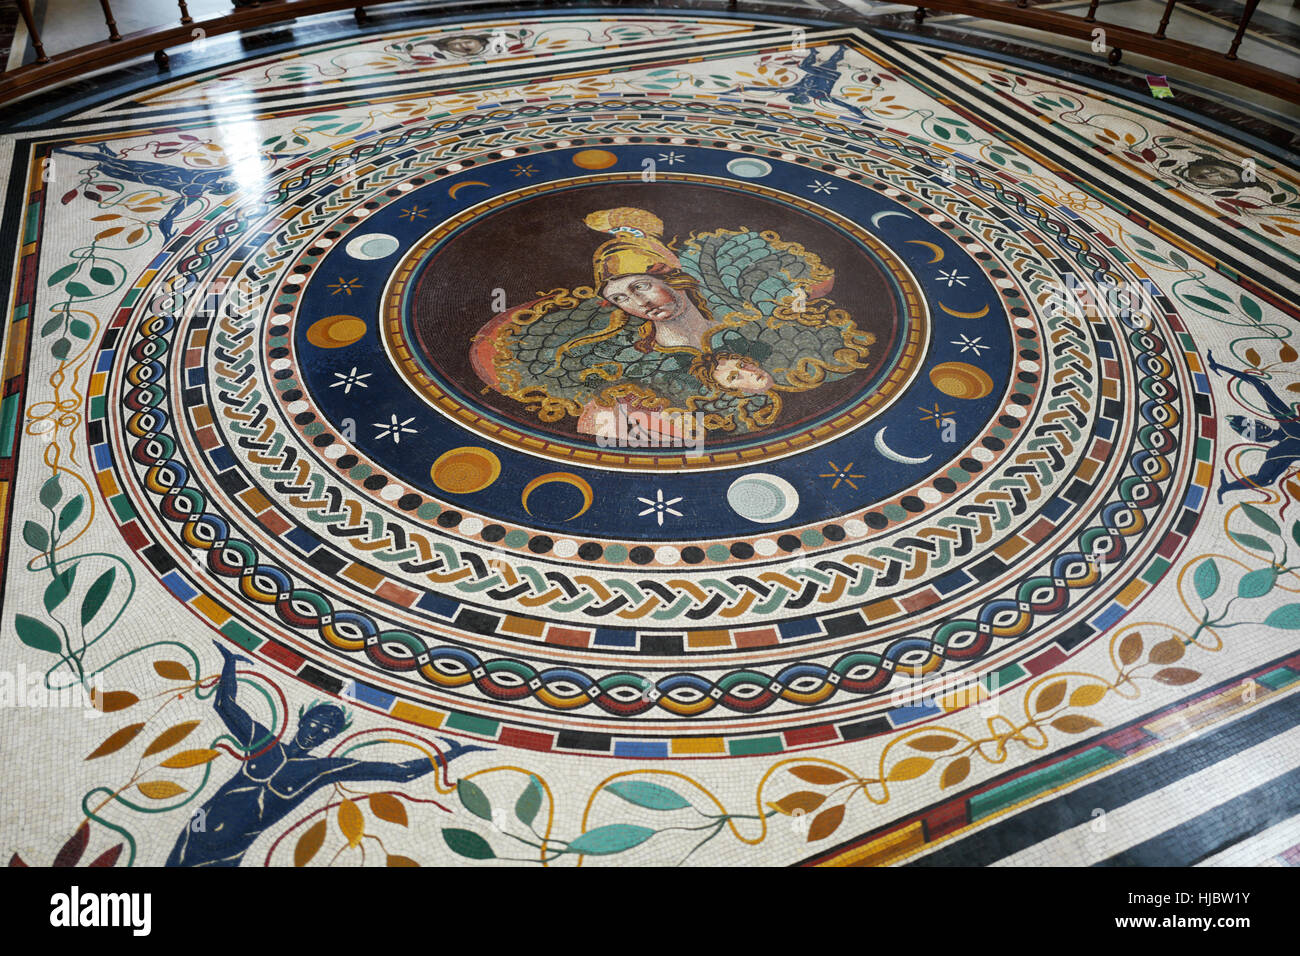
[278,777]
[721,327]
[817,85]
[1283,435]
[188,184]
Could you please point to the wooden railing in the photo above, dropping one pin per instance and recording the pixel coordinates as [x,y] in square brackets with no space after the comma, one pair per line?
[50,69]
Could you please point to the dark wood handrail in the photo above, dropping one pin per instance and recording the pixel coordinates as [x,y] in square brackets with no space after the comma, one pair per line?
[1119,39]
[118,49]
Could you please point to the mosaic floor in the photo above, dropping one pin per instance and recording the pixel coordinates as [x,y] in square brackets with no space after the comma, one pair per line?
[628,438]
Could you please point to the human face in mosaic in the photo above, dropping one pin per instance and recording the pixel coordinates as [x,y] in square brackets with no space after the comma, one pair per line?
[742,375]
[465,46]
[1213,173]
[318,725]
[646,297]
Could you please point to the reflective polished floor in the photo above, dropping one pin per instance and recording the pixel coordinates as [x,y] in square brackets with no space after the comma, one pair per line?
[626,437]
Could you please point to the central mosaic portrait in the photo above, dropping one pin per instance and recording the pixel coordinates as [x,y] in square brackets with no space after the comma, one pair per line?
[724,338]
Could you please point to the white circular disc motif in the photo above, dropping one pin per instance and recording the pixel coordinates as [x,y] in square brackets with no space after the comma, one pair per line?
[763,498]
[748,167]
[372,246]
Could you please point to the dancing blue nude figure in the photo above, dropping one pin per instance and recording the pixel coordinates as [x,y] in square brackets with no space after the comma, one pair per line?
[1284,436]
[190,184]
[272,784]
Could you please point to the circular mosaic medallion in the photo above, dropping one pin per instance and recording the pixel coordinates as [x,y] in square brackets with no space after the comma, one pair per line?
[520,439]
[640,371]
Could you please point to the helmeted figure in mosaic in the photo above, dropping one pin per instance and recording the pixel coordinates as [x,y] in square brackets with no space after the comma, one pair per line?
[723,324]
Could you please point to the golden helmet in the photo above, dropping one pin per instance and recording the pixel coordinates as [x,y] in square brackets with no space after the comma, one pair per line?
[637,246]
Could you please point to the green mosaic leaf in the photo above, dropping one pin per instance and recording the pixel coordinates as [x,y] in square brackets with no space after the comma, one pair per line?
[1286,617]
[473,799]
[1205,303]
[1295,532]
[607,840]
[71,512]
[60,348]
[61,275]
[57,590]
[1256,583]
[649,795]
[468,844]
[1261,519]
[1251,308]
[101,275]
[51,325]
[51,492]
[79,290]
[80,328]
[529,802]
[1251,541]
[36,536]
[37,634]
[1206,579]
[96,596]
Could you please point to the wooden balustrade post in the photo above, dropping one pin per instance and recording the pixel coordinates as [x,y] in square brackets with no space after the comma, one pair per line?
[185,12]
[25,8]
[108,18]
[1246,14]
[1092,12]
[1164,20]
[919,15]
